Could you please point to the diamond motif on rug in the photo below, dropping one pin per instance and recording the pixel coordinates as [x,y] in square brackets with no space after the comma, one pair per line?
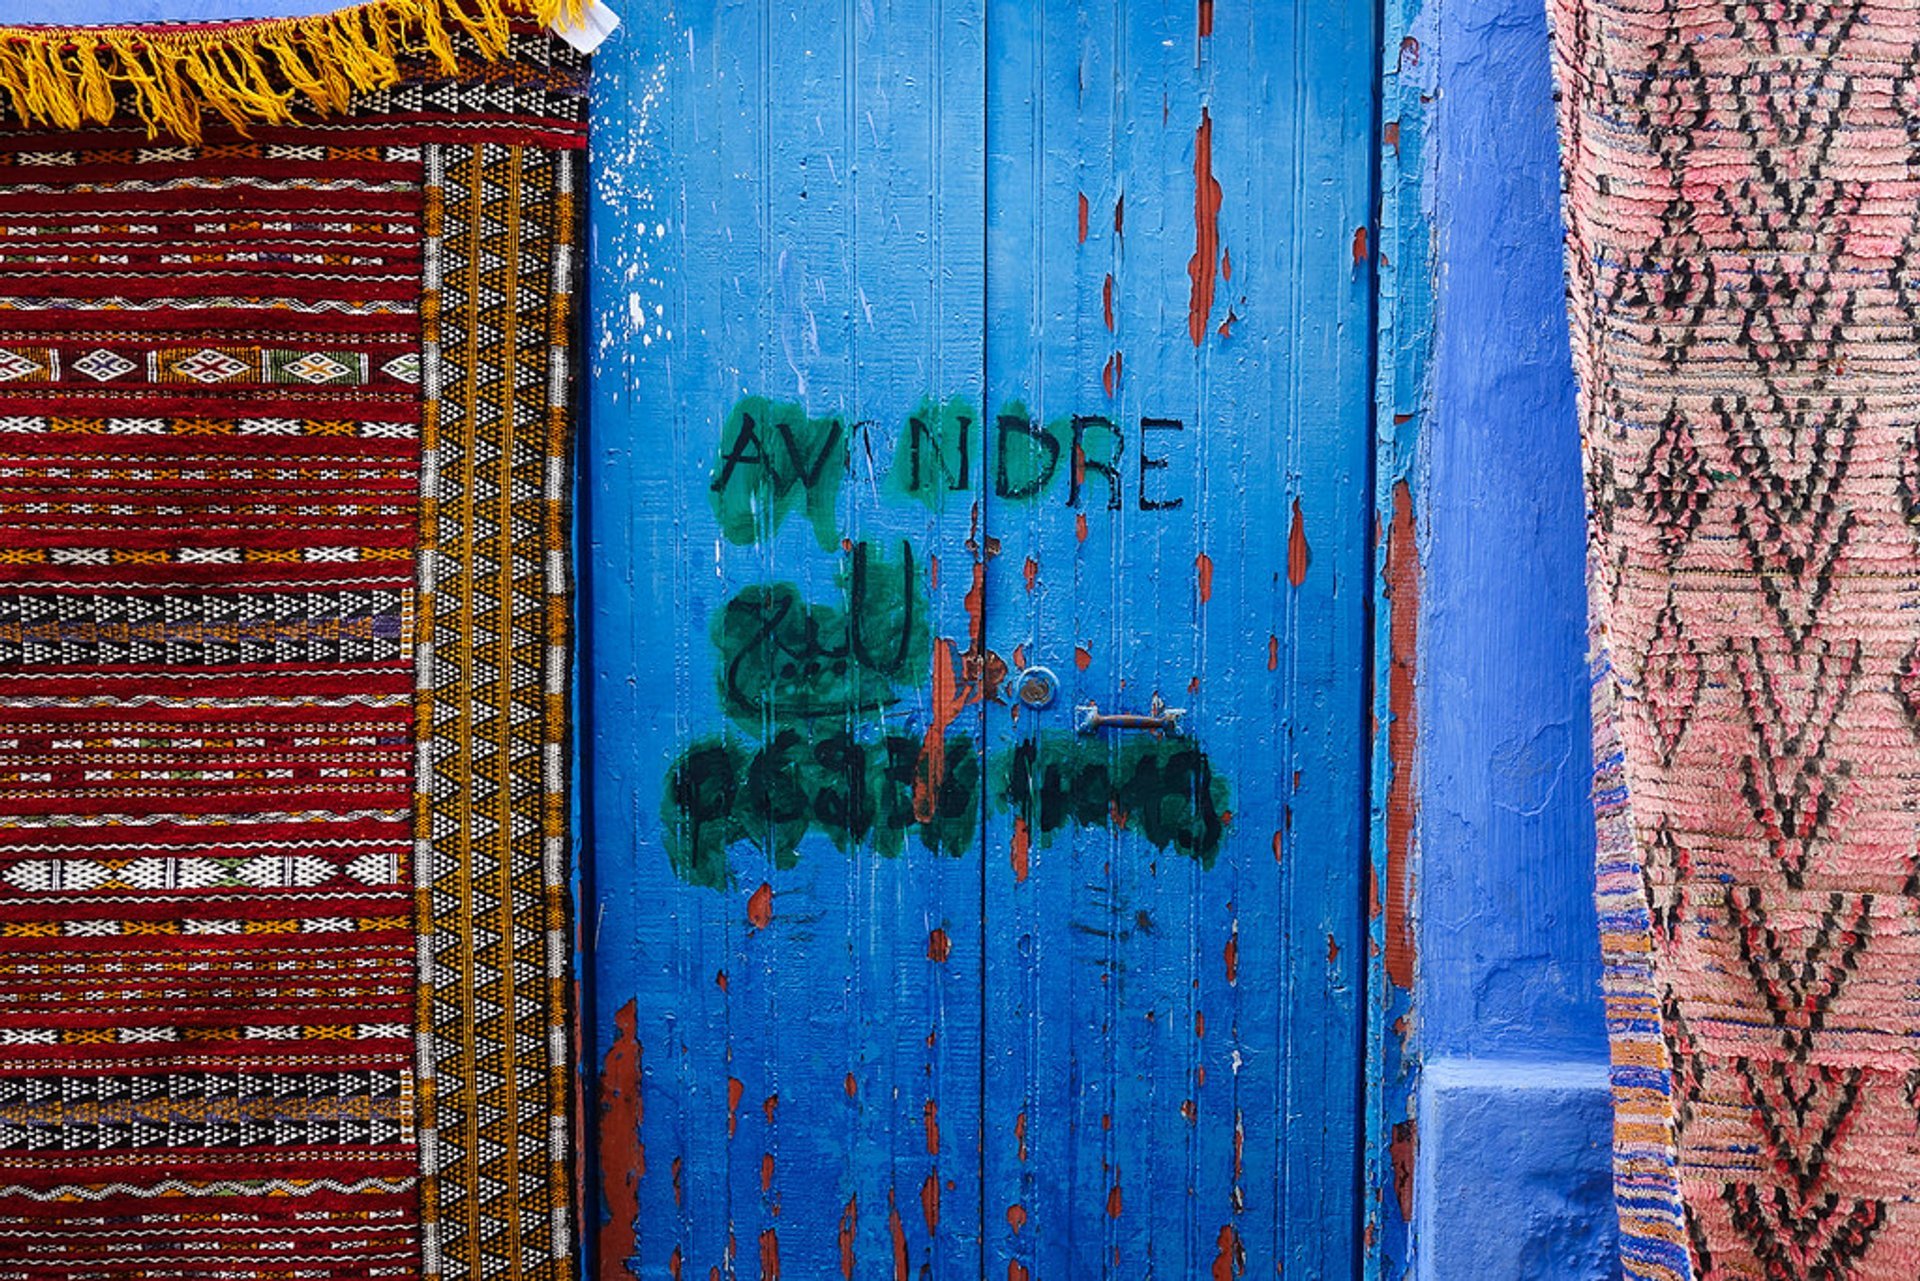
[209,366]
[104,366]
[316,367]
[405,368]
[13,366]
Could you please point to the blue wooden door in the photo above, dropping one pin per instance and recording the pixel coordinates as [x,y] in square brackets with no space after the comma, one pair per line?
[977,573]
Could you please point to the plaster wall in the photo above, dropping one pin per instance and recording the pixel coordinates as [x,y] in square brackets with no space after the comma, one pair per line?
[1512,1177]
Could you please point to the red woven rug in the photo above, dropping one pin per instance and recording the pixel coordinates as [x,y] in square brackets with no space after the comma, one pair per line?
[283,634]
[1743,200]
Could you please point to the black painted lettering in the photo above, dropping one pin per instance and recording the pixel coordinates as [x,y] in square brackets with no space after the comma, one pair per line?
[919,432]
[1041,449]
[1083,464]
[1149,463]
[747,439]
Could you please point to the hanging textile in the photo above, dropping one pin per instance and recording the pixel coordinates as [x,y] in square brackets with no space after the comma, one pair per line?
[285,398]
[1743,206]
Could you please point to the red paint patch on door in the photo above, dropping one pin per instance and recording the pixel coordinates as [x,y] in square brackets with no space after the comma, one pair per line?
[1016,1217]
[1205,262]
[1273,653]
[939,946]
[1359,247]
[1017,1271]
[1206,18]
[1110,378]
[930,1117]
[760,907]
[1082,657]
[1030,572]
[849,1229]
[623,1156]
[1080,526]
[1203,576]
[898,1231]
[1083,217]
[947,702]
[1402,573]
[1022,847]
[769,1256]
[1106,301]
[930,1203]
[1231,957]
[1113,1201]
[735,1089]
[1403,1148]
[1299,552]
[1231,1261]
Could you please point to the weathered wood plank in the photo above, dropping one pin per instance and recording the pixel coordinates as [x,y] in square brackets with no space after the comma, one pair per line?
[788,203]
[1174,1077]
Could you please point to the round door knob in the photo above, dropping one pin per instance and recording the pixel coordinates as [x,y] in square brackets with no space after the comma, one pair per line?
[1038,687]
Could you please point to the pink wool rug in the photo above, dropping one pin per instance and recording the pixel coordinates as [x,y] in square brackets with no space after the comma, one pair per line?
[1743,203]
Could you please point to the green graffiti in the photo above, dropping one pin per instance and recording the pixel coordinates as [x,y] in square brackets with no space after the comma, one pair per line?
[807,683]
[783,660]
[1030,459]
[1164,789]
[1027,456]
[936,455]
[774,460]
[720,794]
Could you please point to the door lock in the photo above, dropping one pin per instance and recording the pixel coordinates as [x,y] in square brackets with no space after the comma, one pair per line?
[1039,687]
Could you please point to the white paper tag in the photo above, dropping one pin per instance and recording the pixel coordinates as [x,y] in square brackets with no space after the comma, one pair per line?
[595,26]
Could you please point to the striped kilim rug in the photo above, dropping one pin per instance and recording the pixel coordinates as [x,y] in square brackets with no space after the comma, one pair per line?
[1743,200]
[284,411]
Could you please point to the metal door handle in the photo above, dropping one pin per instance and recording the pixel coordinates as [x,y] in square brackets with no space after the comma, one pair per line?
[1159,718]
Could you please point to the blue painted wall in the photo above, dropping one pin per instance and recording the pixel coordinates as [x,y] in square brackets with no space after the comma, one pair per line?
[1513,1106]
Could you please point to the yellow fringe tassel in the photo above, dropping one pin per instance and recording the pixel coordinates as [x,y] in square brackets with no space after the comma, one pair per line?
[255,72]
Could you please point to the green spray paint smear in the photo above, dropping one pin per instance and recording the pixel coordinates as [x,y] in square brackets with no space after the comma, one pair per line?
[782,660]
[774,460]
[1163,789]
[721,792]
[937,454]
[808,682]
